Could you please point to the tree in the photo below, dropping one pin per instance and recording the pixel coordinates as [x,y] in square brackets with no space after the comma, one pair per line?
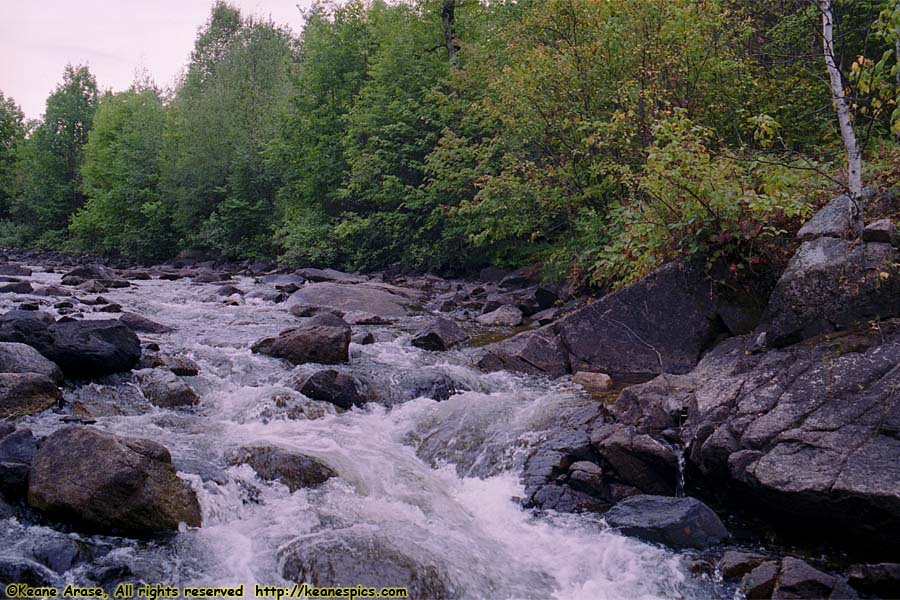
[123,214]
[52,188]
[12,135]
[841,106]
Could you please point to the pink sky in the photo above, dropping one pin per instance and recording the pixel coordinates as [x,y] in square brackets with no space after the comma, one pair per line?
[114,37]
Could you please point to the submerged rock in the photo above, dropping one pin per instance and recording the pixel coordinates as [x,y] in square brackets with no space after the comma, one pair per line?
[331,386]
[675,522]
[165,389]
[324,339]
[360,556]
[142,324]
[104,482]
[293,469]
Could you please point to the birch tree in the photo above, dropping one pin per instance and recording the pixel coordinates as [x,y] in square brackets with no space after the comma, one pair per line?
[841,106]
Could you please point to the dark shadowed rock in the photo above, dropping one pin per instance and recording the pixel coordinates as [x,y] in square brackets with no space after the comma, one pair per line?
[883,231]
[165,389]
[676,522]
[324,339]
[293,469]
[102,276]
[142,324]
[103,482]
[21,287]
[441,334]
[26,394]
[800,580]
[735,564]
[85,349]
[361,317]
[637,459]
[207,276]
[329,275]
[759,583]
[881,579]
[360,556]
[17,450]
[51,291]
[331,386]
[22,358]
[14,270]
[229,290]
[661,324]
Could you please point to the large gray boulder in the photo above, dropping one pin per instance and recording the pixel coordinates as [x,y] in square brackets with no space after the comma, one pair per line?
[384,301]
[829,284]
[328,385]
[22,358]
[102,275]
[800,435]
[661,324]
[675,522]
[294,469]
[165,389]
[85,349]
[839,219]
[323,339]
[102,482]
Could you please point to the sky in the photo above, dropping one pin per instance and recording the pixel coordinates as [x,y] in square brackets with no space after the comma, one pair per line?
[115,38]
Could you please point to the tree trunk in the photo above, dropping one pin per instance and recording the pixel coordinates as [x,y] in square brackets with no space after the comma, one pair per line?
[851,144]
[448,16]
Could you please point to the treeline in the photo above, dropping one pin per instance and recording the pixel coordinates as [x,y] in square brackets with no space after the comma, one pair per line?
[598,138]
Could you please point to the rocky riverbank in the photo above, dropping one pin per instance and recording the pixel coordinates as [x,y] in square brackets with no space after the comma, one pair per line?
[786,417]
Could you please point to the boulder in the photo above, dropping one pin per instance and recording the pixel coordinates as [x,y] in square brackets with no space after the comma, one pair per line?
[881,579]
[51,291]
[834,221]
[266,295]
[636,459]
[17,450]
[165,389]
[21,287]
[829,284]
[505,316]
[100,275]
[329,275]
[331,386]
[361,317]
[538,352]
[141,324]
[103,482]
[883,231]
[760,582]
[736,564]
[324,339]
[26,394]
[381,300]
[271,463]
[593,383]
[798,579]
[15,270]
[364,556]
[22,358]
[229,290]
[207,276]
[799,436]
[675,522]
[661,324]
[441,334]
[85,349]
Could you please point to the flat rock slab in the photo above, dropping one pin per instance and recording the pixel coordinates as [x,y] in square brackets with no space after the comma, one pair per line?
[359,297]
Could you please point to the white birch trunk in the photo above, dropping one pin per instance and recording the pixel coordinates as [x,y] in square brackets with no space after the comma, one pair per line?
[851,144]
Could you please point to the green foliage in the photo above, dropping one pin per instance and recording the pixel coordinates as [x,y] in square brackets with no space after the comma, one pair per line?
[12,136]
[121,177]
[50,165]
[217,179]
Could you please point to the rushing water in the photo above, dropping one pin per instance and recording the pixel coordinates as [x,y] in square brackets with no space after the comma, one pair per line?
[436,479]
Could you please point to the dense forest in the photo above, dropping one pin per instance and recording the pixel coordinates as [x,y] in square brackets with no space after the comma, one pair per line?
[596,138]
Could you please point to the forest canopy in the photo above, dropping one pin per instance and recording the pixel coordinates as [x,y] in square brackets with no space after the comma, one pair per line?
[598,138]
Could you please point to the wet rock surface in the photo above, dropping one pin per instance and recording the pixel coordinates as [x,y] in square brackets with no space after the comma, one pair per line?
[676,522]
[324,339]
[101,481]
[271,463]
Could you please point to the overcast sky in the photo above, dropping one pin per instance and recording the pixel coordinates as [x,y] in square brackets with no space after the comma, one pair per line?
[114,37]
